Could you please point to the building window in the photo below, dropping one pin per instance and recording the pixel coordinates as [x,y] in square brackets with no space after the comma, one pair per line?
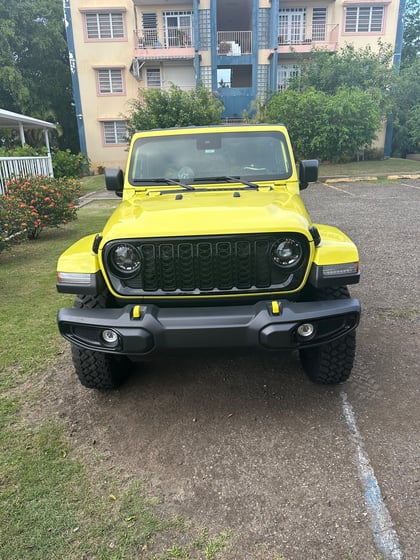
[153,78]
[105,25]
[115,132]
[292,25]
[285,72]
[150,32]
[364,19]
[110,81]
[319,24]
[178,29]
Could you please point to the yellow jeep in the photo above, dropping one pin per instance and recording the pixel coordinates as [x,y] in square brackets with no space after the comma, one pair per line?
[211,247]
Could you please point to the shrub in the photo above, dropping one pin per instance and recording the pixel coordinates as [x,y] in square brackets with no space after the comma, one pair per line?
[174,107]
[22,151]
[326,126]
[305,117]
[14,218]
[66,164]
[51,201]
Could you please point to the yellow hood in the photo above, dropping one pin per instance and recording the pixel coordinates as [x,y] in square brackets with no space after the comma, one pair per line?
[207,213]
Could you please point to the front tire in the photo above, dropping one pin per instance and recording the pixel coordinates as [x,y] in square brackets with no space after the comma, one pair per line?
[330,363]
[98,370]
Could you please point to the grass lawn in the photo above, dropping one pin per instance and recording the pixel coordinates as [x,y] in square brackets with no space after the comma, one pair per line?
[92,183]
[53,503]
[355,168]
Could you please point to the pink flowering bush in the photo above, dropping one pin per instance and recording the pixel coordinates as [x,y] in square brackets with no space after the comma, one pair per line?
[47,202]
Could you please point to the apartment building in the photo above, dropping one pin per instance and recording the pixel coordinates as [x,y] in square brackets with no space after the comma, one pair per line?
[240,48]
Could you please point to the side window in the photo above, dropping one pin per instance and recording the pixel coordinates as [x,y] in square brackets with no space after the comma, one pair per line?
[150,31]
[364,19]
[104,25]
[153,79]
[114,132]
[292,25]
[110,81]
[285,72]
[319,24]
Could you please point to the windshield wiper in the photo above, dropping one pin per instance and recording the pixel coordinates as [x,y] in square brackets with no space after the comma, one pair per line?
[230,179]
[165,180]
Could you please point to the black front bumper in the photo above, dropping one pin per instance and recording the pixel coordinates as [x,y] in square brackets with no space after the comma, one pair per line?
[141,330]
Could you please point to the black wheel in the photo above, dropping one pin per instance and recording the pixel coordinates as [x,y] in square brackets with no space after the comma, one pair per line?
[330,363]
[98,370]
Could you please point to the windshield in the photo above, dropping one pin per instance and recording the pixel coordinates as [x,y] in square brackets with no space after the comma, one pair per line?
[196,157]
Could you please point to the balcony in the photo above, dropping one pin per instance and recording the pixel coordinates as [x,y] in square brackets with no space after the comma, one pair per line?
[302,38]
[164,43]
[234,43]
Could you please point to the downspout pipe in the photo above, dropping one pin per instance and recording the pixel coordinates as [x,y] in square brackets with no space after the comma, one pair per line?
[74,76]
[274,26]
[213,42]
[396,64]
[197,45]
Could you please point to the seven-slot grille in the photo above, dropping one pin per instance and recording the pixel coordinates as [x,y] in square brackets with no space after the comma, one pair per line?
[209,265]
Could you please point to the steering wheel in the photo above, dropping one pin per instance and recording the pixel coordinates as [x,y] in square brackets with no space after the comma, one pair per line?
[185,173]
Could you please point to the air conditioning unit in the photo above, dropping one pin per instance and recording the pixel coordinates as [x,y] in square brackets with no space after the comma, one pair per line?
[135,68]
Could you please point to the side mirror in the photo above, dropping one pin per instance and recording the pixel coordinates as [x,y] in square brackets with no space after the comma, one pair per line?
[308,172]
[114,180]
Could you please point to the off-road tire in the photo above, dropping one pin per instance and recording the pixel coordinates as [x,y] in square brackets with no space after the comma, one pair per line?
[98,370]
[330,363]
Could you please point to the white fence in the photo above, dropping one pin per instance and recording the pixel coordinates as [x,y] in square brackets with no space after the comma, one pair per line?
[12,167]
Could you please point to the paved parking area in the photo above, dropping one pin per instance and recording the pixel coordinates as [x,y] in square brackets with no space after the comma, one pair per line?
[384,390]
[244,441]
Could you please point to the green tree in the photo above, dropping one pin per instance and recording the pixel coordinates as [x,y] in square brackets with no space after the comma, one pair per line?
[157,108]
[349,67]
[411,39]
[326,126]
[406,133]
[34,69]
[303,114]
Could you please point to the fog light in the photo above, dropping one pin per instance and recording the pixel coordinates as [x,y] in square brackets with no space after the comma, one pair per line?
[306,330]
[110,337]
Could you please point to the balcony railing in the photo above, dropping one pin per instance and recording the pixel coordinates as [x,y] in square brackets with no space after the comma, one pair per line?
[11,167]
[234,43]
[303,34]
[164,38]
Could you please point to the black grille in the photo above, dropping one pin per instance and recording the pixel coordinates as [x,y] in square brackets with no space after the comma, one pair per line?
[210,265]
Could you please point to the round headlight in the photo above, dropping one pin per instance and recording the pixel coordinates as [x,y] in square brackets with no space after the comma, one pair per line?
[286,253]
[125,259]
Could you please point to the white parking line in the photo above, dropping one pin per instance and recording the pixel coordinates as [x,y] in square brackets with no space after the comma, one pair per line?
[411,186]
[384,535]
[337,189]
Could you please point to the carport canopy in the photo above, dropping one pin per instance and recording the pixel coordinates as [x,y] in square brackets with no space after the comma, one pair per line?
[10,120]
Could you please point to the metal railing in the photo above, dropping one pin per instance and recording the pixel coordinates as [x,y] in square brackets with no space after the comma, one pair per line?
[13,167]
[164,37]
[234,43]
[301,33]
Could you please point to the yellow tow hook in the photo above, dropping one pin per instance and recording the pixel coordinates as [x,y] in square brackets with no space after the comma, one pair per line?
[136,312]
[275,308]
